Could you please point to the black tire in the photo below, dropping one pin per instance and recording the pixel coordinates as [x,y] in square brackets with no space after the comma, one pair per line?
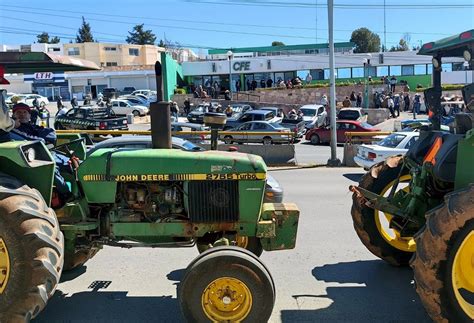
[437,246]
[221,263]
[30,232]
[364,217]
[136,113]
[79,257]
[315,140]
[267,140]
[228,140]
[251,244]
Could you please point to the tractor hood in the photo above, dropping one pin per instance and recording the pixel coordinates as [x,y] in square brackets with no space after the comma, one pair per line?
[100,172]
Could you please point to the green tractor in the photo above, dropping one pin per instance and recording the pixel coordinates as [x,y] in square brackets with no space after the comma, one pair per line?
[156,197]
[419,209]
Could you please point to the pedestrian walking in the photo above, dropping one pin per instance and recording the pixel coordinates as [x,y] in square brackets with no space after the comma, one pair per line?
[249,85]
[406,99]
[393,83]
[396,102]
[346,103]
[59,103]
[262,83]
[174,109]
[269,82]
[353,99]
[187,106]
[324,100]
[237,85]
[417,103]
[309,78]
[254,85]
[391,105]
[359,100]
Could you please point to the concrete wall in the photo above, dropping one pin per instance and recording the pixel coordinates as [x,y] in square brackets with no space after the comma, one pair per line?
[273,155]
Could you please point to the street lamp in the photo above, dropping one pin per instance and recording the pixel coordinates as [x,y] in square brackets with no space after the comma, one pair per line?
[229,56]
[366,76]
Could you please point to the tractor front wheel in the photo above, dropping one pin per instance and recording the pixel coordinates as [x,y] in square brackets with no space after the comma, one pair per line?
[372,226]
[227,284]
[444,261]
[31,252]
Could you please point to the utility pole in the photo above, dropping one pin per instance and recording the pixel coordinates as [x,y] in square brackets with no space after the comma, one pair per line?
[384,28]
[333,162]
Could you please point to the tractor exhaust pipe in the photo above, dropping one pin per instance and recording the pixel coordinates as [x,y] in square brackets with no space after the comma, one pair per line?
[160,115]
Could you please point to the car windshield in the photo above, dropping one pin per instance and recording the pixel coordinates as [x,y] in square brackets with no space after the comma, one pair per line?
[392,141]
[348,115]
[366,125]
[187,145]
[237,108]
[200,108]
[308,112]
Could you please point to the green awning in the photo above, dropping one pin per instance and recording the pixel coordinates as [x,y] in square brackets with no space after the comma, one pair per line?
[32,62]
[452,46]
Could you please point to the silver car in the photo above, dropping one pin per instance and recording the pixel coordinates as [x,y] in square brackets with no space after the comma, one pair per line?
[259,126]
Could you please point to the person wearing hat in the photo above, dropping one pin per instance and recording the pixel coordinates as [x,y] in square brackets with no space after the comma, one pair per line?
[28,131]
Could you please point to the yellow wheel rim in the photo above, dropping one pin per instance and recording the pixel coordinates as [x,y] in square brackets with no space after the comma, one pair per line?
[4,266]
[463,273]
[392,236]
[241,241]
[227,299]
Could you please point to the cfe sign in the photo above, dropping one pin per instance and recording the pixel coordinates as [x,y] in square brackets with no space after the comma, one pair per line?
[241,66]
[43,76]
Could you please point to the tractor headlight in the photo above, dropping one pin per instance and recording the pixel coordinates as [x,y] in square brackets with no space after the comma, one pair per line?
[30,154]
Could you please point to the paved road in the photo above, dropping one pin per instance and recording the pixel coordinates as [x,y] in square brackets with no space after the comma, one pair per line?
[330,276]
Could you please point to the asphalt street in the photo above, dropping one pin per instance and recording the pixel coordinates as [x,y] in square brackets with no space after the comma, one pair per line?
[328,277]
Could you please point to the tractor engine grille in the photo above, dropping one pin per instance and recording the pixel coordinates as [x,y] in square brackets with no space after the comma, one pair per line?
[214,201]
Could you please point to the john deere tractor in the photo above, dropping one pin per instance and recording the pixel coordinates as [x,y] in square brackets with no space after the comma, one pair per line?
[419,209]
[156,197]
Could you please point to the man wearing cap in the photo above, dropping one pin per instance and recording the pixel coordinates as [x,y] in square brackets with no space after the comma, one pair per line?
[25,130]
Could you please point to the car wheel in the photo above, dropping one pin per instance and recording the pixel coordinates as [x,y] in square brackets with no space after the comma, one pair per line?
[228,140]
[267,141]
[136,113]
[315,140]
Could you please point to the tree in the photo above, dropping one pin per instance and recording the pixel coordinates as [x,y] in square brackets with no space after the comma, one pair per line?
[139,36]
[401,47]
[277,43]
[365,41]
[162,43]
[84,33]
[43,38]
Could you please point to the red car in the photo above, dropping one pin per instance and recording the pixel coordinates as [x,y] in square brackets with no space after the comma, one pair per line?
[323,135]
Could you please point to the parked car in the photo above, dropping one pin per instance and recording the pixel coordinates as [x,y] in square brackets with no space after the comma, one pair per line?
[29,98]
[355,114]
[254,115]
[186,126]
[135,100]
[197,114]
[128,90]
[396,143]
[146,93]
[273,190]
[323,135]
[239,108]
[124,107]
[259,126]
[295,125]
[314,115]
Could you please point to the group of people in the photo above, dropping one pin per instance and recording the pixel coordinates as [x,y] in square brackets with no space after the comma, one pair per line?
[354,100]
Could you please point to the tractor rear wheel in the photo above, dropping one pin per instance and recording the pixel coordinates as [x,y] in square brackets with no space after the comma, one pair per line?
[227,284]
[372,225]
[31,252]
[444,261]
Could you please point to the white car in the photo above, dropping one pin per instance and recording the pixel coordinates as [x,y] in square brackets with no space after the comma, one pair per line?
[314,115]
[124,107]
[397,143]
[29,98]
[146,93]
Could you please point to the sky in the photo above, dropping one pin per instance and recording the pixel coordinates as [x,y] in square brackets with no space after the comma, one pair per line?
[204,24]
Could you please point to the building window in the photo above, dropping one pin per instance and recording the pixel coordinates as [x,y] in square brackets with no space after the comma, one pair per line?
[372,71]
[317,74]
[357,72]
[458,67]
[111,64]
[429,69]
[53,49]
[395,70]
[73,51]
[408,70]
[133,52]
[382,70]
[343,73]
[326,74]
[447,67]
[420,69]
[110,49]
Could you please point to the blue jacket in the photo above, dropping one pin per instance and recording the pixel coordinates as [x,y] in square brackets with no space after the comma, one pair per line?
[28,131]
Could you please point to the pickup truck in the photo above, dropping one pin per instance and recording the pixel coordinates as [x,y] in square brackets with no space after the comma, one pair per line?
[90,118]
[297,126]
[254,115]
